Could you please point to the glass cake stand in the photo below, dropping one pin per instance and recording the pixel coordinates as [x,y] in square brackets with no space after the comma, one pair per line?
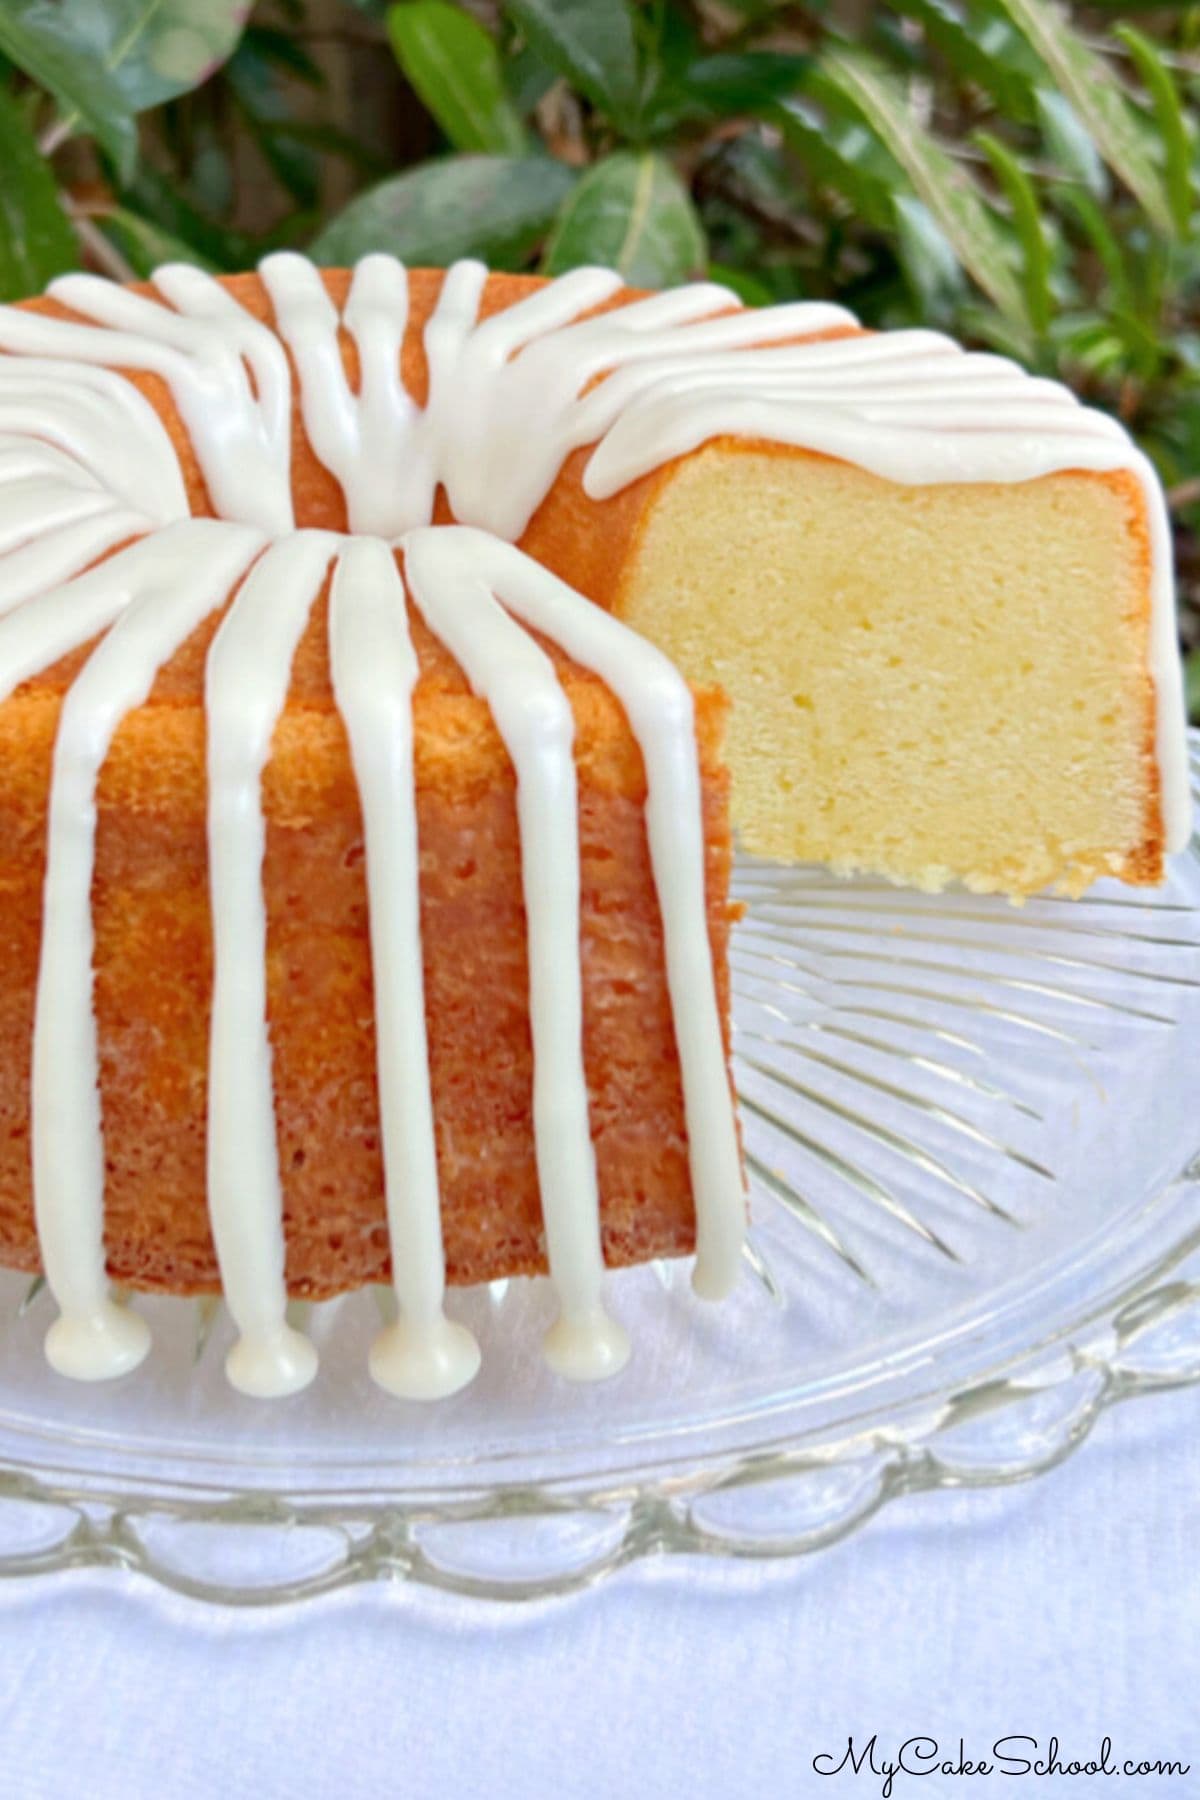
[973,1135]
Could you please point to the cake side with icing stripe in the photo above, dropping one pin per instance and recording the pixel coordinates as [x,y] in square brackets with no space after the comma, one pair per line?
[329,648]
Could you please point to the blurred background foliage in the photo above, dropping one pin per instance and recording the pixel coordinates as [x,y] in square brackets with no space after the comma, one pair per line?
[1024,175]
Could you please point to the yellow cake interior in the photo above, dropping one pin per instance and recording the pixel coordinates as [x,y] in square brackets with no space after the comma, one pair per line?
[928,682]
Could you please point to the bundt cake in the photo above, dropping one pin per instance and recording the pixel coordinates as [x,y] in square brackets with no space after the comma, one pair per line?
[365,885]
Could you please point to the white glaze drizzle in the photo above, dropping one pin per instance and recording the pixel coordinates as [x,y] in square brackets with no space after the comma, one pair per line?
[509,398]
[450,563]
[30,509]
[21,458]
[448,580]
[241,431]
[423,1355]
[507,401]
[246,682]
[154,594]
[46,563]
[367,439]
[83,412]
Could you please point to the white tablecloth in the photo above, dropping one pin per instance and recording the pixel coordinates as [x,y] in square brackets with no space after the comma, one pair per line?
[1069,1605]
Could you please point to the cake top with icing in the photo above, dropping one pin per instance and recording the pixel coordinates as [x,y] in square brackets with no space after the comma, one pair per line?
[485,406]
[510,393]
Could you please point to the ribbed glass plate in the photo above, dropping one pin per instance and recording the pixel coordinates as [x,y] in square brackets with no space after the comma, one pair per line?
[973,1133]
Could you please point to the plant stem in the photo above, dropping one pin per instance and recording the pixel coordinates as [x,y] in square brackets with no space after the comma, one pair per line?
[93,240]
[54,137]
[1185,493]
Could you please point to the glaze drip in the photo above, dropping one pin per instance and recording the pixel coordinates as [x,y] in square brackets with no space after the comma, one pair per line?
[206,348]
[424,1355]
[369,439]
[509,398]
[246,683]
[153,596]
[658,704]
[451,579]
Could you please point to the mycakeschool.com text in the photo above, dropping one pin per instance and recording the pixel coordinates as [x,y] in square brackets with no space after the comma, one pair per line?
[893,1766]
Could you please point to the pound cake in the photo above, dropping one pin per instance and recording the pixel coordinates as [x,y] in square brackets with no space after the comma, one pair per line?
[364,857]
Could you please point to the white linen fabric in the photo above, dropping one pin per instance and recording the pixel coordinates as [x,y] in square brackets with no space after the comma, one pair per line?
[1068,1606]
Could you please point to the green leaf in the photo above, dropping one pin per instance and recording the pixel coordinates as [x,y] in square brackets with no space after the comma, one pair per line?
[980,47]
[591,43]
[1172,126]
[105,60]
[262,76]
[36,240]
[750,289]
[41,40]
[954,201]
[271,46]
[254,79]
[144,245]
[722,86]
[930,265]
[211,178]
[1093,90]
[331,140]
[833,156]
[158,201]
[1027,222]
[631,213]
[494,207]
[984,325]
[1088,346]
[1146,352]
[744,82]
[528,79]
[1069,145]
[454,65]
[150,50]
[1092,221]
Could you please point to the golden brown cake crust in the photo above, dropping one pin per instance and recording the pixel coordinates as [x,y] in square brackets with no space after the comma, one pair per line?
[153,984]
[153,952]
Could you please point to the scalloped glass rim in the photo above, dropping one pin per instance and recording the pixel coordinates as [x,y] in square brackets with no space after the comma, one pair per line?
[919,1077]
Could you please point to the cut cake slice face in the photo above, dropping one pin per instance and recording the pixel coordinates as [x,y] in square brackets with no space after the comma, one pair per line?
[935,683]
